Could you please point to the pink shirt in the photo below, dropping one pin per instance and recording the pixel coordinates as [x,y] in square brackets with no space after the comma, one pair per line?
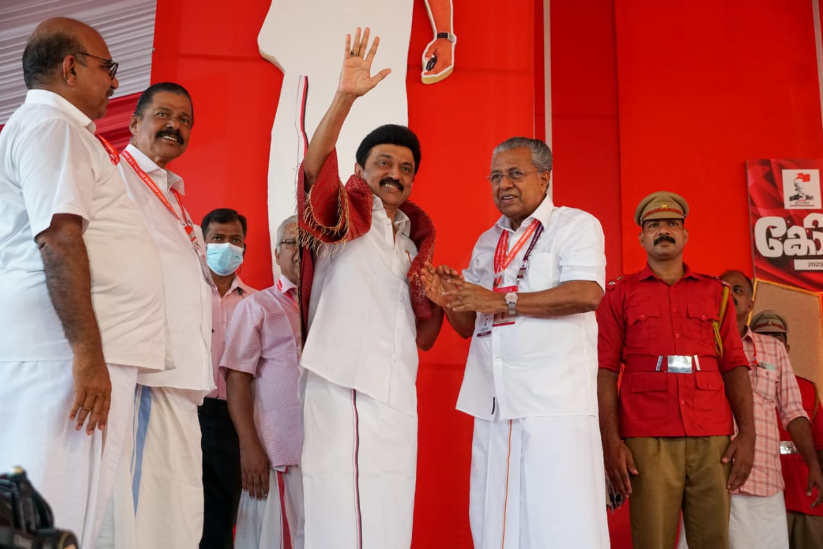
[264,341]
[222,310]
[775,392]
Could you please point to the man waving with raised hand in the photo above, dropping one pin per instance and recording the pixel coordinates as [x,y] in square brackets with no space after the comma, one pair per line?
[365,314]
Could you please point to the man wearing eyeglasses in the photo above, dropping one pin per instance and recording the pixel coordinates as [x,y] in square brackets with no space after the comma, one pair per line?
[161,492]
[685,381]
[261,369]
[366,316]
[81,288]
[527,300]
[224,231]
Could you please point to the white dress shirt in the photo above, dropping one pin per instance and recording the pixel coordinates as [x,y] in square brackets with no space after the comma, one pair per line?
[362,331]
[52,163]
[537,366]
[186,278]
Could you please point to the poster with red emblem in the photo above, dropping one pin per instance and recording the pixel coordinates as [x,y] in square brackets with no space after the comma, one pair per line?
[786,215]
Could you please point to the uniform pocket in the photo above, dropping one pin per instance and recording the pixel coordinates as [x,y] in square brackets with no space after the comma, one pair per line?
[644,318]
[709,396]
[650,392]
[765,384]
[699,322]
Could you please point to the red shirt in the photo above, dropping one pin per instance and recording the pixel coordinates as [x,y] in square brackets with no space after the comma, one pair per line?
[795,472]
[641,318]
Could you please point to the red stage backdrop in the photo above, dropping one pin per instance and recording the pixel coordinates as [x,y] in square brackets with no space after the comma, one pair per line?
[646,95]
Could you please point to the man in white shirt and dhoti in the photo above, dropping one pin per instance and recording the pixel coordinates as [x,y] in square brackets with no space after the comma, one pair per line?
[367,314]
[81,288]
[527,300]
[159,496]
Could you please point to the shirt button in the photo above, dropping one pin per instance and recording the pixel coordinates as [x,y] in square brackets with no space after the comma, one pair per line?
[703,317]
[677,336]
[682,402]
[674,310]
[642,317]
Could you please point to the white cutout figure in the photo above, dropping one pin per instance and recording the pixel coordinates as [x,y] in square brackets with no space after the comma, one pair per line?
[303,40]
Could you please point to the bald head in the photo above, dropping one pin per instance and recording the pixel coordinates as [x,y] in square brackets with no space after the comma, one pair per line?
[50,43]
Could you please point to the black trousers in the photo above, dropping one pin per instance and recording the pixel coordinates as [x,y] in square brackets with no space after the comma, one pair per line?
[221,474]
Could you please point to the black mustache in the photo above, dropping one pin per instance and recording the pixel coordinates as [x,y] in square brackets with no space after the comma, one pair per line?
[170,132]
[389,179]
[664,238]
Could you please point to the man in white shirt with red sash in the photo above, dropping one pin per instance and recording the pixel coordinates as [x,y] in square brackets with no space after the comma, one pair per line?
[164,482]
[528,298]
[81,288]
[367,314]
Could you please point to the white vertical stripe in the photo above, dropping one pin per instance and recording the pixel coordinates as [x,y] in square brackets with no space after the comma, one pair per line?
[547,69]
[818,47]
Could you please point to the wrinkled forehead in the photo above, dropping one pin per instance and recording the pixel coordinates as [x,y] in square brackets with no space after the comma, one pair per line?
[175,102]
[513,158]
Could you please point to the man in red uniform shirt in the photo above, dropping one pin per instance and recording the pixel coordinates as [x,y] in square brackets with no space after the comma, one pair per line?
[670,427]
[804,521]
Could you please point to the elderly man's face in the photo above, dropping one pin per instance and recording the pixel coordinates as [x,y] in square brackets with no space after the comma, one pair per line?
[517,199]
[286,254]
[389,172]
[94,82]
[162,132]
[663,238]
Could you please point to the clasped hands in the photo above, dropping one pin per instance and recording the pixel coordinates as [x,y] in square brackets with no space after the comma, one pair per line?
[447,288]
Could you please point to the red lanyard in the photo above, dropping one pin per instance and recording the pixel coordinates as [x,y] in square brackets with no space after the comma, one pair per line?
[113,154]
[503,260]
[186,222]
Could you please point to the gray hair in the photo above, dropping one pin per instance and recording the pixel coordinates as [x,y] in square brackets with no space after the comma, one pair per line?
[541,153]
[291,220]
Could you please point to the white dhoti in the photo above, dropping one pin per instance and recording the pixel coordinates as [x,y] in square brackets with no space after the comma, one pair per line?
[158,499]
[359,464]
[754,521]
[538,482]
[265,522]
[72,470]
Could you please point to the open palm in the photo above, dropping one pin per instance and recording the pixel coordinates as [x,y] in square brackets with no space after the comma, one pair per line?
[355,76]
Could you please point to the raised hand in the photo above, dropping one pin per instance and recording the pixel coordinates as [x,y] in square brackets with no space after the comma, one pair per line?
[355,76]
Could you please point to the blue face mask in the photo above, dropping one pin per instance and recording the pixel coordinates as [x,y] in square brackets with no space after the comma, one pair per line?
[224,258]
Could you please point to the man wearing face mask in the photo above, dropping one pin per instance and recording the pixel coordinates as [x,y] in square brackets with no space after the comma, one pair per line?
[260,365]
[224,231]
[159,494]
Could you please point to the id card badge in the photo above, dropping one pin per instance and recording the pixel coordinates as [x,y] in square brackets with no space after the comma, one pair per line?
[503,319]
[485,326]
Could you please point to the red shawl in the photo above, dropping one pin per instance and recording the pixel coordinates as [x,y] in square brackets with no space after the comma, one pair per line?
[332,213]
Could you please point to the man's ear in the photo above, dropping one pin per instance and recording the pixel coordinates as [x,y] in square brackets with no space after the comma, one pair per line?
[358,170]
[133,125]
[68,72]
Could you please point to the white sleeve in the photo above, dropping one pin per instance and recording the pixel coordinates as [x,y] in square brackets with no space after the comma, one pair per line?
[56,173]
[581,251]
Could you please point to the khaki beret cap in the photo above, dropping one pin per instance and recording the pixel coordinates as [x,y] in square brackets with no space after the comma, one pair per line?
[661,205]
[768,322]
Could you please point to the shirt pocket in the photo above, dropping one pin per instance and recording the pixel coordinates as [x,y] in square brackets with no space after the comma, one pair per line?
[650,392]
[709,396]
[699,320]
[541,272]
[765,384]
[644,322]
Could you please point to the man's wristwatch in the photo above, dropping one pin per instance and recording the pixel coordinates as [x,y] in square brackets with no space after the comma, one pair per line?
[511,301]
[448,36]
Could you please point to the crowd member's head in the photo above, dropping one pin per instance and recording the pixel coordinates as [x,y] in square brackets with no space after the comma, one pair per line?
[772,324]
[71,59]
[285,252]
[742,293]
[388,159]
[162,122]
[520,177]
[661,217]
[224,231]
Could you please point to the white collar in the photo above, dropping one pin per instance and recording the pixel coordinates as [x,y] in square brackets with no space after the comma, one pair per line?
[284,284]
[542,213]
[172,180]
[401,220]
[46,97]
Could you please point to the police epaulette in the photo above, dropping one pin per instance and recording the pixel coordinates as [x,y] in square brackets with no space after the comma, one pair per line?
[613,283]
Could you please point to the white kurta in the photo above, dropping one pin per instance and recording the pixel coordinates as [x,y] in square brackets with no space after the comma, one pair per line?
[537,464]
[165,478]
[51,163]
[360,403]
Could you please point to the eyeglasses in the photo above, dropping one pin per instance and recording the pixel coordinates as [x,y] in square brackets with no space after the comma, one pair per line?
[514,175]
[288,242]
[108,64]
